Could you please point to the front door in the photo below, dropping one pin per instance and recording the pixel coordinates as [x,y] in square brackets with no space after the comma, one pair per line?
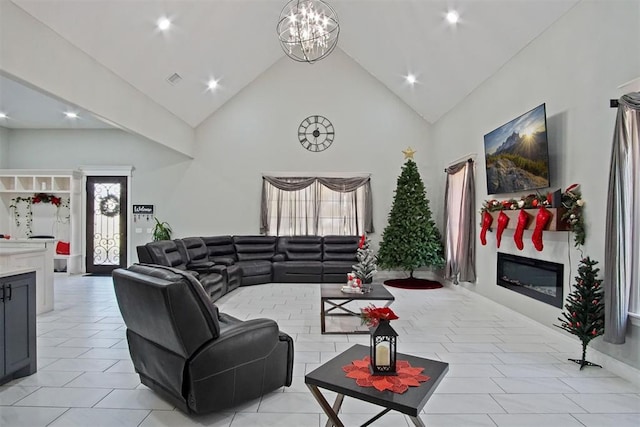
[106,224]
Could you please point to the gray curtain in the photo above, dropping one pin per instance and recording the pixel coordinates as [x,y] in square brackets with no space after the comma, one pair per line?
[622,232]
[460,243]
[342,185]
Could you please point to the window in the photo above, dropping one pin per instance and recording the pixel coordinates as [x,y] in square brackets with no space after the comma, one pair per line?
[316,206]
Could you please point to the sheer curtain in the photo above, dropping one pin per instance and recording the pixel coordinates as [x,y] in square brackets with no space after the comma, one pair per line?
[459,206]
[622,232]
[316,206]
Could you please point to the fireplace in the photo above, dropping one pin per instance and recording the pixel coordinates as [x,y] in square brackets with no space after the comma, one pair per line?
[540,280]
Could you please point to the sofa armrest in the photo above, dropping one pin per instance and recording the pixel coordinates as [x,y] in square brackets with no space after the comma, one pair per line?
[239,343]
[223,260]
[200,265]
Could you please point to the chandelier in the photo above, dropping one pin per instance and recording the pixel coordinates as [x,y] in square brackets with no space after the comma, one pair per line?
[308,30]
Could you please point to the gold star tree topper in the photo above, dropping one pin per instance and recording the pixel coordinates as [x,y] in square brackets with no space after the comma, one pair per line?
[408,153]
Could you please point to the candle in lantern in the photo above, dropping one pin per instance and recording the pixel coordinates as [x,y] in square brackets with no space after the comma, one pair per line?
[382,354]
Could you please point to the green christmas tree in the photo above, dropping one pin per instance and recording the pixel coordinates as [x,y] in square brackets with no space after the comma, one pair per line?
[584,315]
[366,266]
[411,239]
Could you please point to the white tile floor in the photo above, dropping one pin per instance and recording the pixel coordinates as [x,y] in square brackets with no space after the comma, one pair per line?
[504,370]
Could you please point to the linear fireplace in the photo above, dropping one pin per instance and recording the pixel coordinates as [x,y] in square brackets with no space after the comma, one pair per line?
[540,280]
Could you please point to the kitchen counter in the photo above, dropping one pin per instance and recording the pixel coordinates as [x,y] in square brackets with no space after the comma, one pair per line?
[6,272]
[31,255]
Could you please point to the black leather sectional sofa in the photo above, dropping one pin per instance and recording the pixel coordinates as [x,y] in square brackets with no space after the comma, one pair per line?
[222,263]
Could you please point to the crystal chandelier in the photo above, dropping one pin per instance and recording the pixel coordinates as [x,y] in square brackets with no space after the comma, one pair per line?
[308,30]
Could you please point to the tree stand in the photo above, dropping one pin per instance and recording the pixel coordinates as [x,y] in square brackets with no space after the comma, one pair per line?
[584,362]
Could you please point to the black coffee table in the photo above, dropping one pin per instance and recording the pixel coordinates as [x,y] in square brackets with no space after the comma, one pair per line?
[333,303]
[330,376]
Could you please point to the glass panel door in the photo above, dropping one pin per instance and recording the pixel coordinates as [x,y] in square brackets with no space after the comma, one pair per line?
[106,224]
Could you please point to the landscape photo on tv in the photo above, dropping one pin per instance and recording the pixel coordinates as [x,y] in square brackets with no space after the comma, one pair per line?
[517,154]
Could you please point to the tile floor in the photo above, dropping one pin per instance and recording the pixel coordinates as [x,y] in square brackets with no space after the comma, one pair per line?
[504,370]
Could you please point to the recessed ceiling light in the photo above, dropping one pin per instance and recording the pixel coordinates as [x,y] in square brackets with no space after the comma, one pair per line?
[3,116]
[164,24]
[212,84]
[71,115]
[453,17]
[411,79]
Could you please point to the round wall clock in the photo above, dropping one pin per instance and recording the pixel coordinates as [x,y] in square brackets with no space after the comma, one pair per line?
[316,133]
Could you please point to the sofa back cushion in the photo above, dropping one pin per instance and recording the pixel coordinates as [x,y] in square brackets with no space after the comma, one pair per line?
[340,248]
[301,248]
[193,249]
[166,306]
[250,248]
[167,253]
[220,246]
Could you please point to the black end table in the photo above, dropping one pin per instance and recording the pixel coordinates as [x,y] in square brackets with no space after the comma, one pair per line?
[333,303]
[330,376]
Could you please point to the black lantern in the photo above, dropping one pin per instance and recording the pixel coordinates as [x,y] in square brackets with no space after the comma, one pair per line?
[383,349]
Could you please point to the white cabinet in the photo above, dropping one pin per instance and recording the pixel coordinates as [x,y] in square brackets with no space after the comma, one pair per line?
[35,256]
[63,222]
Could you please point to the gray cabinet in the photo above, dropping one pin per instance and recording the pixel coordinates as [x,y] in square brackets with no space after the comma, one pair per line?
[17,326]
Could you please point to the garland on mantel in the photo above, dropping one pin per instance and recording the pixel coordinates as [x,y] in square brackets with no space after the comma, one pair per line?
[16,202]
[571,200]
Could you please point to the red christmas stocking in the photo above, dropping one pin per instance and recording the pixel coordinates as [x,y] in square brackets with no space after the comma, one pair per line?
[503,220]
[542,219]
[487,219]
[523,219]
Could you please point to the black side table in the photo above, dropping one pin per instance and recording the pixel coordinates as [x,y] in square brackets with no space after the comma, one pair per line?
[330,376]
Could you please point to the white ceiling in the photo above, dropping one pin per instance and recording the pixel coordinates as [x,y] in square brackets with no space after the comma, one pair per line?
[235,41]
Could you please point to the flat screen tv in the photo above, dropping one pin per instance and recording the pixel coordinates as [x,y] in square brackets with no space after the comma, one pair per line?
[517,154]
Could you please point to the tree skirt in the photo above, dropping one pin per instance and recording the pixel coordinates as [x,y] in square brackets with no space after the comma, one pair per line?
[413,283]
[407,376]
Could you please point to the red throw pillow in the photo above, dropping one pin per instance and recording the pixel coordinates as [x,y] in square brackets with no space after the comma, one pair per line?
[62,248]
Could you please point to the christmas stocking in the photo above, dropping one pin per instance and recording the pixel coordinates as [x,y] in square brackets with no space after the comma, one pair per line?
[542,219]
[523,219]
[503,220]
[487,219]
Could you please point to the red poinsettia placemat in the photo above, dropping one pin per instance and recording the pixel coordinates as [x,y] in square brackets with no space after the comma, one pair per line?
[407,376]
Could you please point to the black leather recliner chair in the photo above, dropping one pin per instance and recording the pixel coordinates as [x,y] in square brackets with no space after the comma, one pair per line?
[183,349]
[167,253]
[255,255]
[338,257]
[299,259]
[194,250]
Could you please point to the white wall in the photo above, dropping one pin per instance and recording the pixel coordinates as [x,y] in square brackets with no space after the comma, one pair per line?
[40,57]
[575,68]
[157,169]
[218,192]
[256,132]
[4,148]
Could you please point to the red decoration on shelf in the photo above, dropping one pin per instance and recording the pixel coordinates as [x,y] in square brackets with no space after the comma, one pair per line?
[46,198]
[408,376]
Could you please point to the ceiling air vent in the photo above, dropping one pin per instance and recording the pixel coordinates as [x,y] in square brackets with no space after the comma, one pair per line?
[174,79]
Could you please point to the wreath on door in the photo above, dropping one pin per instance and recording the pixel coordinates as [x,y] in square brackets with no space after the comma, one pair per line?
[110,206]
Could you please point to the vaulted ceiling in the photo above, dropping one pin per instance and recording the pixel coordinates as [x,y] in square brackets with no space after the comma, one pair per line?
[234,41]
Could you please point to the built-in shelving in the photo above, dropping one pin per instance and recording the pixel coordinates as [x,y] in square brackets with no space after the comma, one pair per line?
[35,184]
[61,183]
